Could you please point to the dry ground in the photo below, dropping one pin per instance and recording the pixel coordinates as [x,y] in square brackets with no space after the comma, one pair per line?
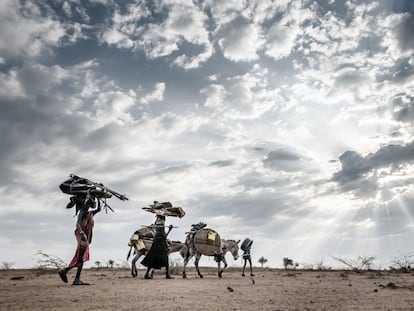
[115,289]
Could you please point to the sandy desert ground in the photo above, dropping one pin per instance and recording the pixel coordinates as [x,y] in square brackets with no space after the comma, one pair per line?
[269,289]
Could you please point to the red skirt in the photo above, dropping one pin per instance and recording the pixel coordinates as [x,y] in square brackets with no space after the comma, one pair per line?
[77,260]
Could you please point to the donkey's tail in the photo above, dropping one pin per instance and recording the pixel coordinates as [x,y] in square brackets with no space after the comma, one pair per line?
[129,253]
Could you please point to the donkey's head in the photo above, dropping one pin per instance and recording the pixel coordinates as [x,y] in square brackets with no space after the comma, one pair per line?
[232,247]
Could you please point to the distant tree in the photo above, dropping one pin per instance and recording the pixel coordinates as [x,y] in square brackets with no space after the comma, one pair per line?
[403,262]
[6,265]
[262,261]
[111,263]
[98,264]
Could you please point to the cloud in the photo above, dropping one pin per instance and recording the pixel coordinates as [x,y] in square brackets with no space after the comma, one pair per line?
[399,40]
[362,173]
[287,32]
[241,41]
[281,40]
[404,32]
[173,25]
[404,108]
[29,29]
[284,160]
[156,95]
[245,97]
[230,109]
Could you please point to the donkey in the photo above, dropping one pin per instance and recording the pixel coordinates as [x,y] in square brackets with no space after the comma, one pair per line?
[226,246]
[174,246]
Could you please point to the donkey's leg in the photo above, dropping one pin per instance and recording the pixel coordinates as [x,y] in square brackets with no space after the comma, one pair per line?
[197,259]
[187,258]
[134,271]
[219,271]
[225,262]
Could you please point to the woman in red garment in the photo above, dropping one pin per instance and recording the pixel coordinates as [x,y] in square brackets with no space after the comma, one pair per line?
[83,234]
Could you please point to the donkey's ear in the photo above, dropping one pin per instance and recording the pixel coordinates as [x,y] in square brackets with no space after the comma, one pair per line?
[238,242]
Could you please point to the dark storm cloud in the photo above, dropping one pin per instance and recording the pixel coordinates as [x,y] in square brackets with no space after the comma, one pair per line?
[405,32]
[354,166]
[222,163]
[284,160]
[400,6]
[404,109]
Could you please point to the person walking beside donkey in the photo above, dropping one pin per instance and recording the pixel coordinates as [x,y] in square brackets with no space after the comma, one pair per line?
[85,209]
[246,246]
[157,256]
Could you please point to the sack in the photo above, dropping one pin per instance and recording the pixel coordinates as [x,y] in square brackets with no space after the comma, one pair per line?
[161,205]
[246,245]
[135,240]
[75,186]
[140,245]
[83,187]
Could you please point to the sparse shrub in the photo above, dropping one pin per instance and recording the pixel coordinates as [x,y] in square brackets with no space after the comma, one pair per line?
[403,262]
[320,265]
[359,263]
[175,266]
[6,265]
[47,261]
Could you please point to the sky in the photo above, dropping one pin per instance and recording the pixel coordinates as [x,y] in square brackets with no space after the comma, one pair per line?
[287,122]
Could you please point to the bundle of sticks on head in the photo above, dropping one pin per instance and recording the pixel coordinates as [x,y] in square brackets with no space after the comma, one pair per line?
[165,209]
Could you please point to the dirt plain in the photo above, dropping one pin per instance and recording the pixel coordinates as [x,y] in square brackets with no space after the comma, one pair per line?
[269,289]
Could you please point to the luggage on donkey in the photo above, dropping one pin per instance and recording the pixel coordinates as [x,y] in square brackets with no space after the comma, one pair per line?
[207,242]
[136,241]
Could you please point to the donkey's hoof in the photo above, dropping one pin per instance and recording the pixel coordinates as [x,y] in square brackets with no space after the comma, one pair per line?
[201,276]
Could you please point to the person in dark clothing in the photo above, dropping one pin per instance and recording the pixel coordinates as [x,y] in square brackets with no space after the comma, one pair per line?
[157,256]
[246,247]
[86,211]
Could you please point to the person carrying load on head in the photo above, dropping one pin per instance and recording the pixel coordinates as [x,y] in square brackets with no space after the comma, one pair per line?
[157,256]
[246,247]
[85,210]
[87,196]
